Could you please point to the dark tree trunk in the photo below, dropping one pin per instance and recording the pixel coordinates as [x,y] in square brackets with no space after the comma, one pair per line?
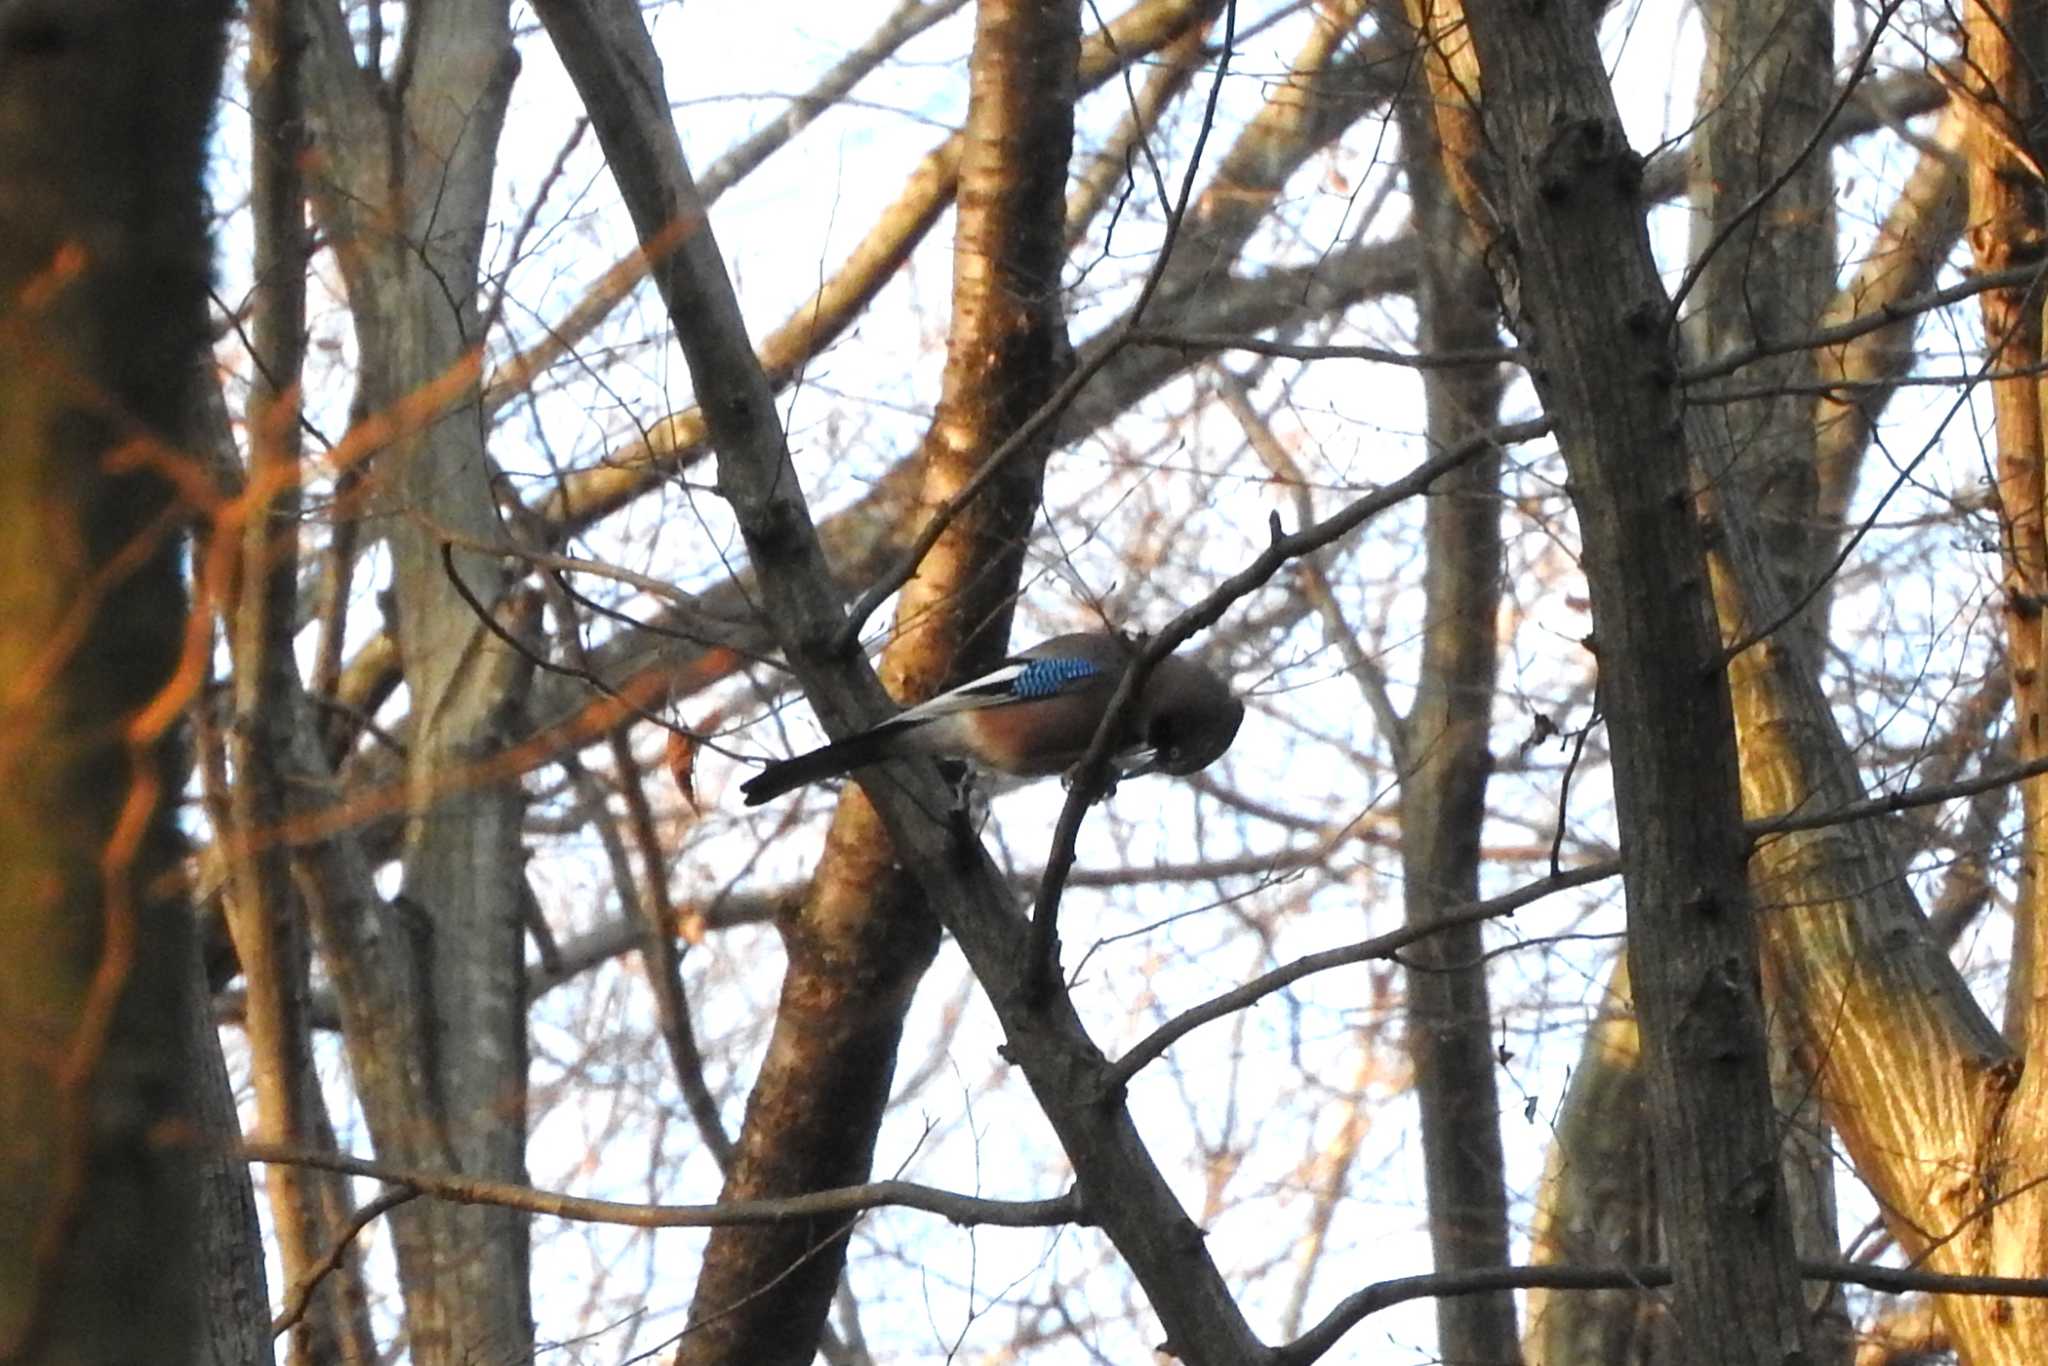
[104,112]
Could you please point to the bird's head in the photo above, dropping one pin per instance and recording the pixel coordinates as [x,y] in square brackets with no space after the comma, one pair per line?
[1186,719]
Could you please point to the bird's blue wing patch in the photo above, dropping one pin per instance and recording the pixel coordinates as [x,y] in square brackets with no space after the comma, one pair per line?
[1049,677]
[1017,680]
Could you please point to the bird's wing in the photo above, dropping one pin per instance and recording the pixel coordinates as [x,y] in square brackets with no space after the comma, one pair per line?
[1022,678]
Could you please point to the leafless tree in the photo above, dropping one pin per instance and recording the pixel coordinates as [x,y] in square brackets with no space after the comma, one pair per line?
[1590,929]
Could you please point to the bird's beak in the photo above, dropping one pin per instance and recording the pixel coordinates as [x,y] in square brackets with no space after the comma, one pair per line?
[1135,763]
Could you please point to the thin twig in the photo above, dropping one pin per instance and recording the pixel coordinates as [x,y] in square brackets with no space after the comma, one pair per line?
[1210,342]
[473,1190]
[295,1303]
[1155,1044]
[489,621]
[1088,775]
[655,909]
[1365,670]
[1864,323]
[908,20]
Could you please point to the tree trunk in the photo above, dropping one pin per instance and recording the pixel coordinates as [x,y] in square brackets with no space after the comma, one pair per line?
[1445,747]
[433,989]
[104,111]
[1596,1201]
[1763,276]
[1591,309]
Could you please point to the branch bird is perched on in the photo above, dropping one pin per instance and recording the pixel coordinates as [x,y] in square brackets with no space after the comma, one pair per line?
[1035,714]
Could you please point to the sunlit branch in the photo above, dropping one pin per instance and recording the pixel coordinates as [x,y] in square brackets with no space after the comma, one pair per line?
[1027,435]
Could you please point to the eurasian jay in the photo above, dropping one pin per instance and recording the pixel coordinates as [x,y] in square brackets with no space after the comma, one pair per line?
[1035,714]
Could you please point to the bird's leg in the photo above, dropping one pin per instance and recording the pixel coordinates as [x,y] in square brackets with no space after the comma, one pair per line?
[960,777]
[968,811]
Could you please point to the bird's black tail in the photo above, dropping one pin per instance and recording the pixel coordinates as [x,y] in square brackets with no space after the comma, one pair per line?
[834,760]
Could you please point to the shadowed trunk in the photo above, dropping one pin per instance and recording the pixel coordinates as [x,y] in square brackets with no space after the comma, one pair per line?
[1445,752]
[104,113]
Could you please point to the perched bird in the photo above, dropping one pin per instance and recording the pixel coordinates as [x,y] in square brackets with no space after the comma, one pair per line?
[1035,714]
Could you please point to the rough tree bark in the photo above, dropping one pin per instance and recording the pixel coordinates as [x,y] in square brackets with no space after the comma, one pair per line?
[1596,1201]
[104,112]
[1590,308]
[1942,1117]
[1880,1017]
[1764,275]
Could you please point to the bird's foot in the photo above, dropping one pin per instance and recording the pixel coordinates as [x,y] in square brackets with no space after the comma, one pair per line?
[1110,779]
[968,812]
